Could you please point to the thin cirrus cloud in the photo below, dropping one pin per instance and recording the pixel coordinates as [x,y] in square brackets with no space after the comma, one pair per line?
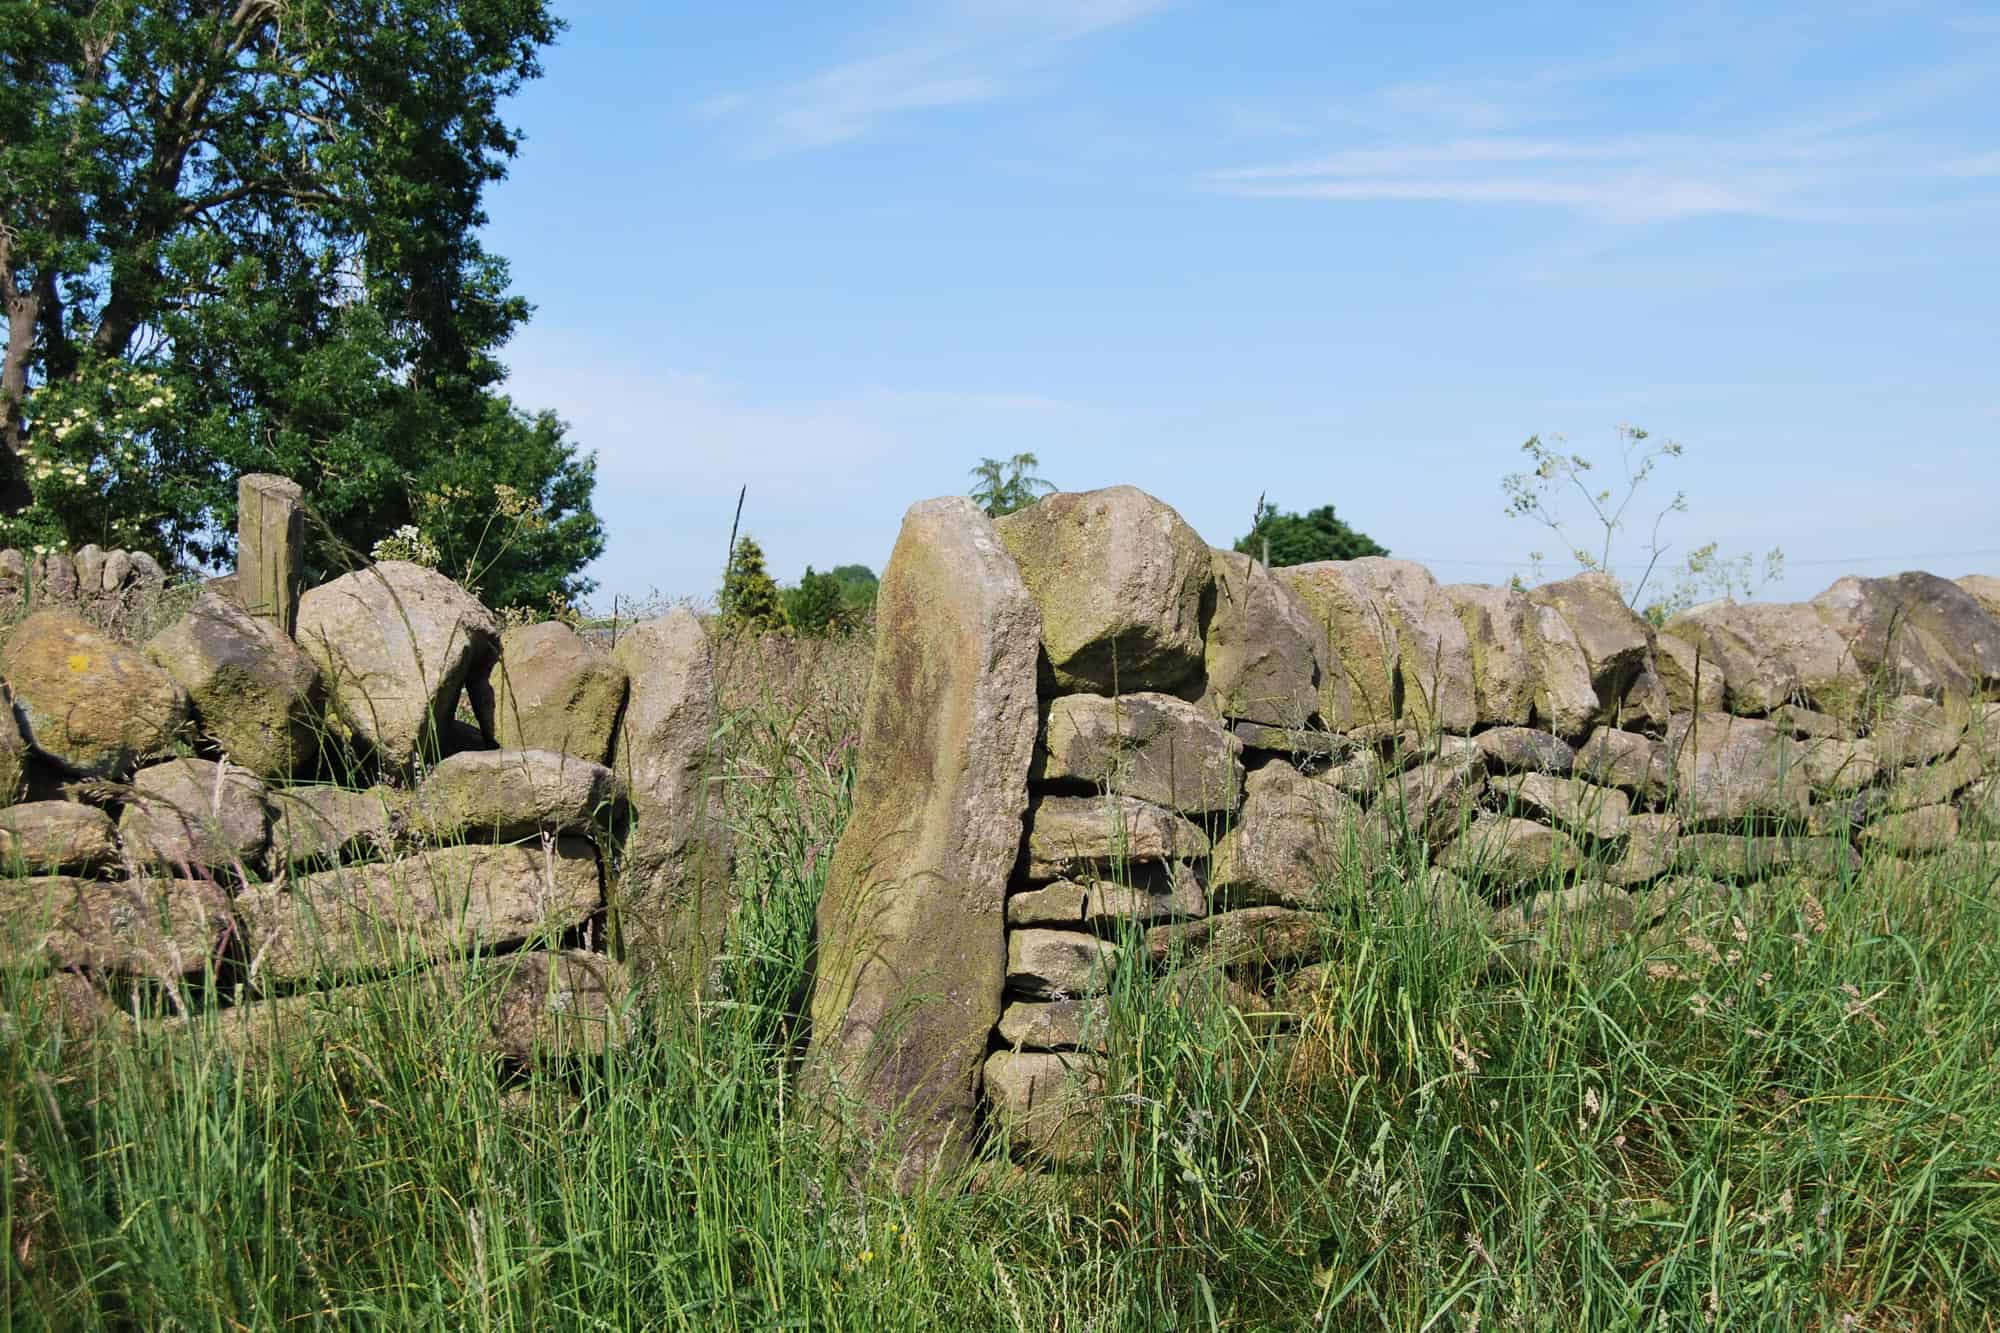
[966,52]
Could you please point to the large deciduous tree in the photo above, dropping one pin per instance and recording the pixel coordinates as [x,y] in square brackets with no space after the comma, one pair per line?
[1301,539]
[242,235]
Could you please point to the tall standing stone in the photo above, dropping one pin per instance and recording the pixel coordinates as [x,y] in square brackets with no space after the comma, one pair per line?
[1264,652]
[912,926]
[672,900]
[270,535]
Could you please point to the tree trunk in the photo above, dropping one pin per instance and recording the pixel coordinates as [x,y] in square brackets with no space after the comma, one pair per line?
[23,313]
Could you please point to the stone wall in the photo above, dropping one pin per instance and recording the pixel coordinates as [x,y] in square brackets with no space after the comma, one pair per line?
[265,822]
[113,589]
[1225,759]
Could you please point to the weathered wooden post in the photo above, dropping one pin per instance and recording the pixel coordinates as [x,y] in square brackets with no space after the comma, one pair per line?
[270,532]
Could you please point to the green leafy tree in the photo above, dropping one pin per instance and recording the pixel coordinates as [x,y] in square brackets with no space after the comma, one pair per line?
[245,236]
[750,601]
[1001,488]
[858,586]
[1557,475]
[1301,539]
[815,606]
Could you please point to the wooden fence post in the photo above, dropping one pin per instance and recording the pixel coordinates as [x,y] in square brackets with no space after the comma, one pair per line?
[270,532]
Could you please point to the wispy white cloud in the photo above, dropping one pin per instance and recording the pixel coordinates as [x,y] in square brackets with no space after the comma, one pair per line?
[962,52]
[1871,155]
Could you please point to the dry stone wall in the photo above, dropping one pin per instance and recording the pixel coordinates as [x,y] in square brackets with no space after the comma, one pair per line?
[1228,761]
[113,588]
[266,823]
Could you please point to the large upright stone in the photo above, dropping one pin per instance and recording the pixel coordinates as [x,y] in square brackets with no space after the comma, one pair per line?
[256,693]
[1918,631]
[1361,681]
[1151,746]
[1771,654]
[1122,583]
[912,925]
[94,705]
[1498,622]
[1728,768]
[672,901]
[270,538]
[553,691]
[1566,699]
[1437,674]
[1264,652]
[395,643]
[1616,643]
[1692,678]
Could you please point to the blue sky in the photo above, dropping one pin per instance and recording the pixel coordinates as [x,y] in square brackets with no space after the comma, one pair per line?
[1347,254]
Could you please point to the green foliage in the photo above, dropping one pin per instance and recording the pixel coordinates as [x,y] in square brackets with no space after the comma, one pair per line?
[816,606]
[246,238]
[1702,574]
[1001,488]
[750,601]
[858,586]
[1301,539]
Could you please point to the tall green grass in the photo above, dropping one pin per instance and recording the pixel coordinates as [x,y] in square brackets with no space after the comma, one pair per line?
[1779,1108]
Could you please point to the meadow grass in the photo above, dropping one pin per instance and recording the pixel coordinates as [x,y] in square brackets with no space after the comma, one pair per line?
[1779,1108]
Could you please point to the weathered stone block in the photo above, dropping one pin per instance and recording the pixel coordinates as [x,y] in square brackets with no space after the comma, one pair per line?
[56,837]
[1264,649]
[94,705]
[1290,843]
[505,795]
[1727,768]
[146,927]
[1057,964]
[192,814]
[1514,851]
[1046,1103]
[258,696]
[1091,833]
[1499,630]
[395,644]
[1616,643]
[553,691]
[1150,746]
[333,824]
[912,954]
[1575,806]
[1123,586]
[1254,937]
[1525,750]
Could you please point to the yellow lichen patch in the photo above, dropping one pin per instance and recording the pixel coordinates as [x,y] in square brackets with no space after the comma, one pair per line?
[79,662]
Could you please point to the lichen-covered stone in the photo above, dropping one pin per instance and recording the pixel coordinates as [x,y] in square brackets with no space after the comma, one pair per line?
[1045,1102]
[1360,681]
[1727,768]
[554,691]
[1079,834]
[1616,643]
[1052,964]
[92,704]
[1290,842]
[1915,630]
[332,824]
[1056,1025]
[1525,750]
[1928,828]
[1756,856]
[1253,937]
[1692,678]
[430,905]
[56,837]
[1985,590]
[1150,746]
[1430,801]
[1840,768]
[1575,923]
[1498,624]
[1575,806]
[1264,649]
[673,898]
[1159,893]
[915,902]
[1565,693]
[145,927]
[193,814]
[1435,674]
[1122,583]
[396,643]
[1911,729]
[1652,844]
[1772,653]
[256,693]
[1498,847]
[1934,784]
[14,754]
[505,795]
